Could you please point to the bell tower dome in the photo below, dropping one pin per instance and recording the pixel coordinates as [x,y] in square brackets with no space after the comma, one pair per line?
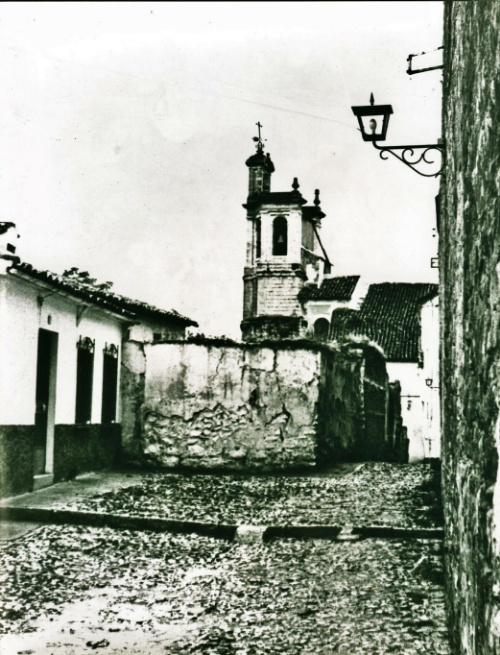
[260,169]
[283,253]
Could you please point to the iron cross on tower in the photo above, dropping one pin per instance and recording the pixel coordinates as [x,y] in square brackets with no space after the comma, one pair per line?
[258,139]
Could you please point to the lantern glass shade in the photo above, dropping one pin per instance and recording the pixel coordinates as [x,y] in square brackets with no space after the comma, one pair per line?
[373,121]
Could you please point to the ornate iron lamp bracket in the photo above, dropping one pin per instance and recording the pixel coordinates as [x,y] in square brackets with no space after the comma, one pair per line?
[412,156]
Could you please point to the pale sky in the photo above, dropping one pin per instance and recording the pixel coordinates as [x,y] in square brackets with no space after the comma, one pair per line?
[124,130]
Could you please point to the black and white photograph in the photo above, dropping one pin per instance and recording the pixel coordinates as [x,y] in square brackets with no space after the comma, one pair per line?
[250,328]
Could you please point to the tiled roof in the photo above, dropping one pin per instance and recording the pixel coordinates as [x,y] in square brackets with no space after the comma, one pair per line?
[390,316]
[127,307]
[334,288]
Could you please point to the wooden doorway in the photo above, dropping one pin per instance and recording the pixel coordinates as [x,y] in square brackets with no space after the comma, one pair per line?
[45,401]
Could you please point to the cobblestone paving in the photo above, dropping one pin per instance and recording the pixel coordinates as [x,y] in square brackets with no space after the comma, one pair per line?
[83,589]
[373,494]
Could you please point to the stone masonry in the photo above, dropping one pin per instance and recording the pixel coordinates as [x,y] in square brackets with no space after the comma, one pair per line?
[279,405]
[470,331]
[230,407]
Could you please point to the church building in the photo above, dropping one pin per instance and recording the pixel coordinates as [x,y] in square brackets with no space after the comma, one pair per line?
[284,252]
[290,292]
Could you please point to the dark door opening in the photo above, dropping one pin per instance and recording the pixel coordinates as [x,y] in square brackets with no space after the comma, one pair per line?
[375,400]
[84,380]
[45,400]
[109,384]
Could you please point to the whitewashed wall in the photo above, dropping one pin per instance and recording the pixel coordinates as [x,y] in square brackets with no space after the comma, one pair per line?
[423,417]
[412,405]
[294,219]
[21,318]
[430,371]
[323,308]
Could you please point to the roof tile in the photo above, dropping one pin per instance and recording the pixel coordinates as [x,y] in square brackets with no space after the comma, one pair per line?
[334,288]
[107,299]
[390,316]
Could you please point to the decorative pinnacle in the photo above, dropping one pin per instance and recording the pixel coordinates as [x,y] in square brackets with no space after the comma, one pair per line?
[372,99]
[295,184]
[316,197]
[258,139]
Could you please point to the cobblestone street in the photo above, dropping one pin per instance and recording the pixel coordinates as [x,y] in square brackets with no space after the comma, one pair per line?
[365,494]
[73,589]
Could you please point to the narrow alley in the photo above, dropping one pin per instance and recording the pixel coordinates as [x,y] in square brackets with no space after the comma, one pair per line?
[348,561]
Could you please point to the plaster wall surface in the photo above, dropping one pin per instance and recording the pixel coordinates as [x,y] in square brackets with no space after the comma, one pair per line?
[18,352]
[413,394]
[294,220]
[133,372]
[148,331]
[230,407]
[255,406]
[430,374]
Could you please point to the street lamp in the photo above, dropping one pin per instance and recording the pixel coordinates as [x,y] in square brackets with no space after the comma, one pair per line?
[373,123]
[373,129]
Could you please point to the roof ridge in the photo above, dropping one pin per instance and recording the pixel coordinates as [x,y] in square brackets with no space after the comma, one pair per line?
[113,300]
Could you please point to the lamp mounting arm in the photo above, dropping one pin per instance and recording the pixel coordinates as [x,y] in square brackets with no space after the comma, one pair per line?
[412,156]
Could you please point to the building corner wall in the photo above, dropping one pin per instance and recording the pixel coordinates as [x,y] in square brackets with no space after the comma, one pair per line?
[132,391]
[470,323]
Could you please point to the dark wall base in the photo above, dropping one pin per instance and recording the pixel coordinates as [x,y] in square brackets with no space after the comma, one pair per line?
[77,449]
[81,448]
[16,459]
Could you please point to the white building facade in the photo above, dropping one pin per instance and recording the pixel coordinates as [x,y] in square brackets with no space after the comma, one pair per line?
[61,349]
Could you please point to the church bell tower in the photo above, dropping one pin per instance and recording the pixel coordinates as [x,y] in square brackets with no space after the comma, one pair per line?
[283,253]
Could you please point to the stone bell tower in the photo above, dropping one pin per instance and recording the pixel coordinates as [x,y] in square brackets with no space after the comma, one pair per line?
[283,253]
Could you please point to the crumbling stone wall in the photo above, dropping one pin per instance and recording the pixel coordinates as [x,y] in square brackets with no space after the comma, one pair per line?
[359,412]
[272,405]
[230,407]
[341,417]
[470,329]
[375,444]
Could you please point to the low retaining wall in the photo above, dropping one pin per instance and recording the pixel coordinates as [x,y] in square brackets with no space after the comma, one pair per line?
[279,405]
[230,407]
